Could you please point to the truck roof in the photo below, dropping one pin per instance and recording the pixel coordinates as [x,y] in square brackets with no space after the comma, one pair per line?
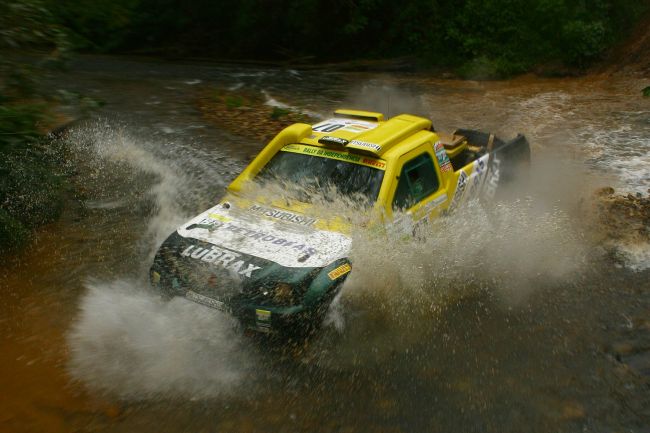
[364,131]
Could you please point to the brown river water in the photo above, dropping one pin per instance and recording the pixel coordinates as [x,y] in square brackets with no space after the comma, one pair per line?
[505,321]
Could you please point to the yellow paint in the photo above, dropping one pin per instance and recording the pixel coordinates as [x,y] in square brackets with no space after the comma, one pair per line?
[400,139]
[363,115]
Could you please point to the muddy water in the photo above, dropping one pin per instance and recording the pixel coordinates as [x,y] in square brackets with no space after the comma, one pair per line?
[512,321]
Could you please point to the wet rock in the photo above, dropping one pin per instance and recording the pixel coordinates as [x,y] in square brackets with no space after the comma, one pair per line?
[572,411]
[387,405]
[604,191]
[621,370]
[247,114]
[633,352]
[642,323]
[112,411]
[619,222]
[639,363]
[623,348]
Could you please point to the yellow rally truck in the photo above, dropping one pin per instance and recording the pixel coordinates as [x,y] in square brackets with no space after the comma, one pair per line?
[273,263]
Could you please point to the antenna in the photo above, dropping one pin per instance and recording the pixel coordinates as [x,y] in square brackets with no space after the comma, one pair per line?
[388,108]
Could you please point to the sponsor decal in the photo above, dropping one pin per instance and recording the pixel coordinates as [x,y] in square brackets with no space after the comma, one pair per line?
[226,259]
[351,125]
[204,300]
[478,173]
[263,315]
[281,215]
[493,180]
[446,167]
[328,139]
[430,206]
[374,162]
[260,236]
[340,271]
[443,158]
[439,200]
[333,154]
[469,187]
[365,144]
[263,320]
[460,189]
[480,165]
[358,127]
[462,182]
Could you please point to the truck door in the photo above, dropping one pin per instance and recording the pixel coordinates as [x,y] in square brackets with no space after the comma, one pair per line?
[418,194]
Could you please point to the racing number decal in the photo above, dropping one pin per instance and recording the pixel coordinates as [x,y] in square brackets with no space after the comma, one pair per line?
[327,127]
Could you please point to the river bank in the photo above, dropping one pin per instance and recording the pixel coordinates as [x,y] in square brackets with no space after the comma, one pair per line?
[34,169]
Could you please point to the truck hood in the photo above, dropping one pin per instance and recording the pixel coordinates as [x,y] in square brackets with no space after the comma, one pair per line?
[286,237]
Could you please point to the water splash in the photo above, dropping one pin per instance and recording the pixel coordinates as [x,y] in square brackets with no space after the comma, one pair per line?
[177,179]
[130,343]
[508,248]
[126,341]
[510,251]
[398,284]
[272,102]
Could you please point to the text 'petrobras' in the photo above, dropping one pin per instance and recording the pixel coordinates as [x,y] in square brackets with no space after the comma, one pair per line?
[264,237]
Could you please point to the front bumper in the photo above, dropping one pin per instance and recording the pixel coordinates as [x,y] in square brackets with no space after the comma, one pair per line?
[264,319]
[294,320]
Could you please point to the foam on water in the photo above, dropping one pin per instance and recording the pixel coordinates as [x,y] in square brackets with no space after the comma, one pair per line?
[637,257]
[272,102]
[624,151]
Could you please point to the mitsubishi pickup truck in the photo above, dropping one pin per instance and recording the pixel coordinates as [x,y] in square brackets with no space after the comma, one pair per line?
[276,264]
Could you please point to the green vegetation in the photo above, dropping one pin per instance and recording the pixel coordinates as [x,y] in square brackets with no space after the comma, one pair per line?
[478,38]
[646,91]
[31,187]
[278,112]
[234,101]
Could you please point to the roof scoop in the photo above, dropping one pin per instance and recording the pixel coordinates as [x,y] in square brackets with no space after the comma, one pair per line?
[333,141]
[370,116]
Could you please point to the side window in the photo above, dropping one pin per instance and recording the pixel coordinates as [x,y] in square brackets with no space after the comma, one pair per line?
[417,181]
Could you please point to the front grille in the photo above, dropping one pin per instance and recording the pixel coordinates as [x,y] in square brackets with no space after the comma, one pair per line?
[180,273]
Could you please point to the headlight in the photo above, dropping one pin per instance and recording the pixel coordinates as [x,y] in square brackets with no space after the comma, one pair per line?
[155,278]
[283,294]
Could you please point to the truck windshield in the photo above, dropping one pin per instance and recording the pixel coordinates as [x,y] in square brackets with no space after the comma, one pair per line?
[317,174]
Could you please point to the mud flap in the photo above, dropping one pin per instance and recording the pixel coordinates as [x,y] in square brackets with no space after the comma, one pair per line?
[508,164]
